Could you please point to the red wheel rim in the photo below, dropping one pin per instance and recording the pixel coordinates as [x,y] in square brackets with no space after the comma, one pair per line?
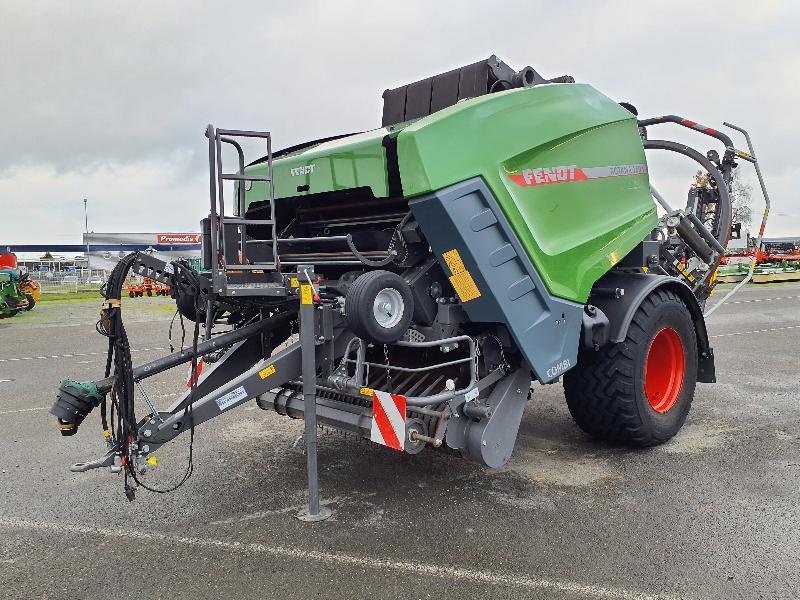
[664,369]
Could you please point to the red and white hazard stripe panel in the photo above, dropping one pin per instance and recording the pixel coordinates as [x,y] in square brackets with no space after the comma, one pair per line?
[388,420]
[197,374]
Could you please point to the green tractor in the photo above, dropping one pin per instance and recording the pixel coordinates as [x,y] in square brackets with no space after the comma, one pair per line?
[12,298]
[408,283]
[18,291]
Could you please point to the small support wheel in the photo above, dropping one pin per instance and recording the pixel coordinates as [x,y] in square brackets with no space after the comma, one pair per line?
[379,306]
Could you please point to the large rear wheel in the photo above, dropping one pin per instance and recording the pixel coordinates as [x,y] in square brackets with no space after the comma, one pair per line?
[638,392]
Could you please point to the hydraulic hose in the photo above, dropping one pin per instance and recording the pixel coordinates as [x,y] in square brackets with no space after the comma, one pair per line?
[363,259]
[124,430]
[724,206]
[694,240]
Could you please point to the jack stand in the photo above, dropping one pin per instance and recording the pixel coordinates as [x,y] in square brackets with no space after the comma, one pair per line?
[314,512]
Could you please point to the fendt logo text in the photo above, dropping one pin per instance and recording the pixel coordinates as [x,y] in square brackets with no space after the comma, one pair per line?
[570,173]
[551,175]
[304,170]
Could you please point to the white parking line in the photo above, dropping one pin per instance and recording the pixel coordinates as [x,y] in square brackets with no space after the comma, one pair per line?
[762,300]
[770,330]
[407,567]
[74,354]
[23,410]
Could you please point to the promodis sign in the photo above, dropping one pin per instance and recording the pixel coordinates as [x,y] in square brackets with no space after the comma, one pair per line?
[177,238]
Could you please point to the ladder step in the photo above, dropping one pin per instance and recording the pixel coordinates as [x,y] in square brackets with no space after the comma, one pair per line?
[241,133]
[242,221]
[240,177]
[253,289]
[266,266]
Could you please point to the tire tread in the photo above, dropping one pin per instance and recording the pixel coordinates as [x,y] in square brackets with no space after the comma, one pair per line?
[600,390]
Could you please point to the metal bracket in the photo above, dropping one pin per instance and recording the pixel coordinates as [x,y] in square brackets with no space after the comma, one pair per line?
[106,460]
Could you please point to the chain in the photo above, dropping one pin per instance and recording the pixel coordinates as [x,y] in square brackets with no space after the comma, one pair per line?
[478,353]
[505,363]
[388,370]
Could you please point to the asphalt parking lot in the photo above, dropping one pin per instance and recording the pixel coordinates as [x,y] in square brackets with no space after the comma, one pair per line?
[712,514]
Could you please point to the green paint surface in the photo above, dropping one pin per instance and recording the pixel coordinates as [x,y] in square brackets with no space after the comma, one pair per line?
[354,161]
[573,231]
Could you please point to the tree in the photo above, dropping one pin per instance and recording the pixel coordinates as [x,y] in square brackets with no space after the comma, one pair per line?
[740,200]
[740,193]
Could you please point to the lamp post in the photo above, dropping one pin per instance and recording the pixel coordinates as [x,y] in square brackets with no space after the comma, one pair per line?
[86,225]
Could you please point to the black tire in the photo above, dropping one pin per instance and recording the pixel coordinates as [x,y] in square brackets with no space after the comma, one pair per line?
[361,298]
[31,301]
[606,391]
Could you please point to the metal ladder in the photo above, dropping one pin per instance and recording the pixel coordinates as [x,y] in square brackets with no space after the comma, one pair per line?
[254,277]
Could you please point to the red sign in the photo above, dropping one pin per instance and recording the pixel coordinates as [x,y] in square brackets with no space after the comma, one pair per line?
[177,238]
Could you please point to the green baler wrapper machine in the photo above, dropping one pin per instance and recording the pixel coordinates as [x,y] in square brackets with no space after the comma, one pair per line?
[499,227]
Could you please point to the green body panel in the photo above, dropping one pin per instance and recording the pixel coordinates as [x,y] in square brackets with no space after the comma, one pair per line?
[354,161]
[573,231]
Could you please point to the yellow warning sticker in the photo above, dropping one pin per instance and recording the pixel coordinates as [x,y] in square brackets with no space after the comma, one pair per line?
[686,273]
[465,287]
[306,294]
[453,260]
[267,371]
[294,282]
[461,280]
[365,391]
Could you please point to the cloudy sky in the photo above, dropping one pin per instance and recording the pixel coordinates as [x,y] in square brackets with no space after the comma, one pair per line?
[109,100]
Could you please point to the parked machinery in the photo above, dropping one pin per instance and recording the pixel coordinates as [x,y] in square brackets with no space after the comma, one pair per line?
[18,292]
[408,283]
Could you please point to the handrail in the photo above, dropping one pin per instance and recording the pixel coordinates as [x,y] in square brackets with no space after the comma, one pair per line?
[690,124]
[751,158]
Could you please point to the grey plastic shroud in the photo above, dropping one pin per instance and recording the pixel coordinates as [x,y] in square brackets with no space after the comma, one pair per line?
[466,216]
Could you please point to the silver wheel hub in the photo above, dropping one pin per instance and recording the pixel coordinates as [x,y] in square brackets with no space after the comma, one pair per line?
[388,308]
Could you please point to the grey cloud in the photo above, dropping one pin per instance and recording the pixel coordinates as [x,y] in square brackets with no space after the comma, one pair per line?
[96,86]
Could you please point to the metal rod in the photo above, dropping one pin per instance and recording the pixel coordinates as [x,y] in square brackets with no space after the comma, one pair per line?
[416,369]
[705,233]
[212,176]
[294,263]
[379,218]
[271,197]
[763,185]
[240,154]
[178,358]
[416,436]
[147,400]
[310,399]
[309,370]
[220,199]
[312,240]
[426,411]
[660,199]
[209,320]
[243,133]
